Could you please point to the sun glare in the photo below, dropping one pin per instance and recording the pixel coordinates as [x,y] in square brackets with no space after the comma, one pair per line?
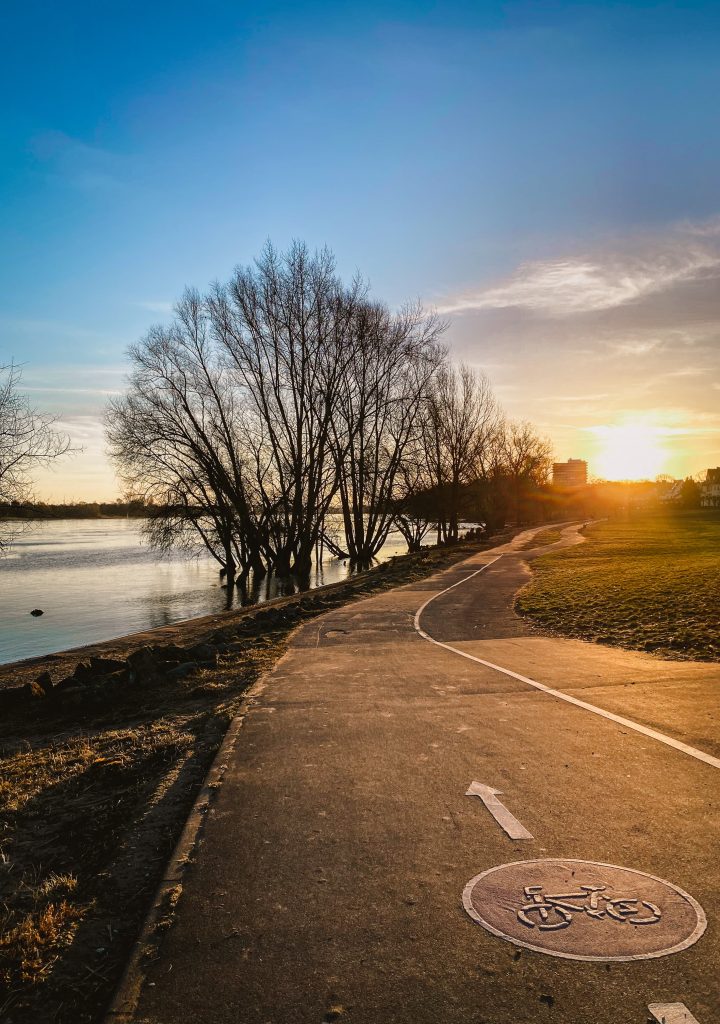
[633,451]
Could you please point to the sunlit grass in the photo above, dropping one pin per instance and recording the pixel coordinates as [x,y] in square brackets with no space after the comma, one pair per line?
[649,582]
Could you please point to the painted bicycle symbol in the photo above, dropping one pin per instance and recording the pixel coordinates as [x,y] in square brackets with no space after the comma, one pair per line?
[551,913]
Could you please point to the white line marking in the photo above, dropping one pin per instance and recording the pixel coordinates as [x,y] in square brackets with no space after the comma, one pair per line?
[499,811]
[700,755]
[672,1013]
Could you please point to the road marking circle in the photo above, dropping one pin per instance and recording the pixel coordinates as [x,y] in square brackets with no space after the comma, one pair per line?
[584,910]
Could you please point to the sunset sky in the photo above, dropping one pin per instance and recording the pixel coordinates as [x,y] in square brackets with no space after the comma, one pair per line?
[546,174]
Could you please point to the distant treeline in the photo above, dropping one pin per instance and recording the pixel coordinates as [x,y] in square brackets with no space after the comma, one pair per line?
[74,510]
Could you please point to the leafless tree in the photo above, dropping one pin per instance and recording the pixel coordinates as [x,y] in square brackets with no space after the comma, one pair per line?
[285,325]
[526,463]
[461,427]
[377,417]
[284,394]
[415,506]
[176,439]
[29,440]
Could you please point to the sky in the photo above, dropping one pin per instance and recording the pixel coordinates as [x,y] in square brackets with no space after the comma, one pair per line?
[547,174]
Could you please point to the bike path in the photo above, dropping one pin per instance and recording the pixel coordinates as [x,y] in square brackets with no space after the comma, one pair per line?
[328,882]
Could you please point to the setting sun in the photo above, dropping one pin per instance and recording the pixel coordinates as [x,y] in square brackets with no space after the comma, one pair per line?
[631,451]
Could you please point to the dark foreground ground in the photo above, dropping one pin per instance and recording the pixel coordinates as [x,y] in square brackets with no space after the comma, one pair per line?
[97,776]
[328,881]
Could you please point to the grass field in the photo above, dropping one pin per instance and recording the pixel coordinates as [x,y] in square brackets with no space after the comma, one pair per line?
[649,583]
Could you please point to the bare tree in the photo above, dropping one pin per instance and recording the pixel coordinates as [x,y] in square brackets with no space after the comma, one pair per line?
[29,440]
[526,463]
[377,417]
[415,506]
[176,440]
[461,427]
[285,326]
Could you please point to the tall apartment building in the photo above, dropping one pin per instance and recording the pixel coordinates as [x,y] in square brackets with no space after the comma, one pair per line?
[572,473]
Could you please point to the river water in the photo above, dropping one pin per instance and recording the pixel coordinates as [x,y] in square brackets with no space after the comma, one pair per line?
[96,579]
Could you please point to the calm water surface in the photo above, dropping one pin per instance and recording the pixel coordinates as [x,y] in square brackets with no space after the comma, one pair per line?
[97,579]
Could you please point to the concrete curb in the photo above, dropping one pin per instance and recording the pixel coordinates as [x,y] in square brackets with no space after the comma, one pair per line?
[125,1000]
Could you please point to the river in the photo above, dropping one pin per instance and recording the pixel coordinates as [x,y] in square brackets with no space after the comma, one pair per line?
[96,579]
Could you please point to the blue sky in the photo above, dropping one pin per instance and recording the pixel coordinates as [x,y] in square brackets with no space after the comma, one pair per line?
[548,173]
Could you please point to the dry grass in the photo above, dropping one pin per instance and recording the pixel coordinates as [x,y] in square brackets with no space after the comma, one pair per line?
[92,801]
[647,583]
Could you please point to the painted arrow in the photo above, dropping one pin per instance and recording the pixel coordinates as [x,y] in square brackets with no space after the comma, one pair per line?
[671,1013]
[500,813]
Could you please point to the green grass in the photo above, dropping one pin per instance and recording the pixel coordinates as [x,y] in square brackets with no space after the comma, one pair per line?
[649,583]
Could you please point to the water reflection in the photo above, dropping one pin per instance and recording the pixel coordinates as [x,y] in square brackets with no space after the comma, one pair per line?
[97,579]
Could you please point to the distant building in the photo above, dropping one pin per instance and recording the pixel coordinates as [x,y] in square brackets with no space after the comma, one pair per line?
[572,473]
[671,491]
[710,489]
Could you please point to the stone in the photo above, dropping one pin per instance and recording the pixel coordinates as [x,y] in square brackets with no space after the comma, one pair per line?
[45,682]
[103,666]
[183,670]
[34,691]
[83,673]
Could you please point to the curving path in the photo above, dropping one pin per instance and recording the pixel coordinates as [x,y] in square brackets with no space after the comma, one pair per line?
[328,884]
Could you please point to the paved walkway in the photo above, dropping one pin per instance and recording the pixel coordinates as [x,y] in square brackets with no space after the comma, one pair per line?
[328,884]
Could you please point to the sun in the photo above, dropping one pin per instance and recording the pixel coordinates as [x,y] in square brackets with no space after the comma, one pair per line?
[630,451]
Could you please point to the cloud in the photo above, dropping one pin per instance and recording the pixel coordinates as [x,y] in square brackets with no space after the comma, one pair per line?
[636,348]
[72,391]
[163,308]
[581,398]
[603,280]
[86,167]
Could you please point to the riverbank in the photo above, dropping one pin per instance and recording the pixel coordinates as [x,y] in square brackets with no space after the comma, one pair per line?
[96,580]
[647,583]
[98,776]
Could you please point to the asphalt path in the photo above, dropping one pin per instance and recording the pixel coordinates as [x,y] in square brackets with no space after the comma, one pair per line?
[328,882]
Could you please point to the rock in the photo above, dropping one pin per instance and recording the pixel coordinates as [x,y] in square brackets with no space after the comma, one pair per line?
[171,653]
[145,661]
[37,611]
[69,683]
[103,666]
[34,691]
[45,682]
[203,652]
[83,673]
[180,671]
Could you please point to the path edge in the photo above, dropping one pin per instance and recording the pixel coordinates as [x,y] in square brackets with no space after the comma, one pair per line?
[126,997]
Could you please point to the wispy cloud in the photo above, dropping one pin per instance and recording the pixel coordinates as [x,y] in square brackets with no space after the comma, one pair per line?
[636,348]
[72,391]
[581,398]
[161,307]
[86,167]
[600,281]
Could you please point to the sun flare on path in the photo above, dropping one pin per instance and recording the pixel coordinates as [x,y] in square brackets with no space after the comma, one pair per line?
[630,451]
